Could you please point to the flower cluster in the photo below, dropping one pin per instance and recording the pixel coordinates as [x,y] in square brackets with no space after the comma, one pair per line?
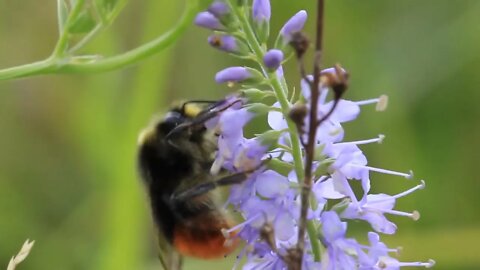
[269,200]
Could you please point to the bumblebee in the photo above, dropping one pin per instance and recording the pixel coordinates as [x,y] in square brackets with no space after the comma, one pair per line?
[175,154]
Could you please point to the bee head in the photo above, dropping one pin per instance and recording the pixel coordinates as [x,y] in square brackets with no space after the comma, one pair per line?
[171,121]
[173,125]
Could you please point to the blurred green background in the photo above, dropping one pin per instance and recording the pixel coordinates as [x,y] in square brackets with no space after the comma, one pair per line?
[67,176]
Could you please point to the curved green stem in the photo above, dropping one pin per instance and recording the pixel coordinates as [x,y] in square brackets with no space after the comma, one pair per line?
[54,64]
[35,68]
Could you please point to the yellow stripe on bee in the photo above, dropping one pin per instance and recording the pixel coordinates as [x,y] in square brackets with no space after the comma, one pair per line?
[192,110]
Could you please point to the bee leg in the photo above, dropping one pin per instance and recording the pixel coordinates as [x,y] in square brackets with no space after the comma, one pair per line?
[175,261]
[203,188]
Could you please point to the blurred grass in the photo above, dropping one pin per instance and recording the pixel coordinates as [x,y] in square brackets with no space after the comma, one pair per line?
[67,175]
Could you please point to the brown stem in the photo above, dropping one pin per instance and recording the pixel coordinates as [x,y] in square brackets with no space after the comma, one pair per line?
[312,132]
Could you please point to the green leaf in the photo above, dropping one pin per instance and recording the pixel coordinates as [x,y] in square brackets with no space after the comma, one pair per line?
[108,8]
[280,166]
[323,167]
[83,23]
[62,14]
[259,108]
[256,95]
[269,137]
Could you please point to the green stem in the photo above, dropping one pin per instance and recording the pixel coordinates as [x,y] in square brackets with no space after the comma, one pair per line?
[35,68]
[276,85]
[54,64]
[316,247]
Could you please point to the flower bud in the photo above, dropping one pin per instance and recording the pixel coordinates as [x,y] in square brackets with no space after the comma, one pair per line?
[336,78]
[297,113]
[223,42]
[206,19]
[228,44]
[261,13]
[293,25]
[237,74]
[219,9]
[261,10]
[258,108]
[273,59]
[300,43]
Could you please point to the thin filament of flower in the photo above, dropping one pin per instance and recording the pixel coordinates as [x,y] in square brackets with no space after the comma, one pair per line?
[428,264]
[241,225]
[379,140]
[391,250]
[409,191]
[413,215]
[367,101]
[379,170]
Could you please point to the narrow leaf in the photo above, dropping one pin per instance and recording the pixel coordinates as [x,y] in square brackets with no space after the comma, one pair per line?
[83,23]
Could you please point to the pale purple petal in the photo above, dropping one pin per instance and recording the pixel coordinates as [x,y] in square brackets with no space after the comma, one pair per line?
[345,111]
[276,120]
[219,9]
[332,227]
[207,20]
[284,226]
[232,74]
[273,58]
[223,42]
[261,10]
[293,25]
[326,190]
[270,184]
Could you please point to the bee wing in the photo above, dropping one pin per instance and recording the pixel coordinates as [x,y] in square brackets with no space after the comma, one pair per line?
[169,257]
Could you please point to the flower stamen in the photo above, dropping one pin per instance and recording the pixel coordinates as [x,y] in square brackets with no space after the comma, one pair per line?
[385,171]
[378,140]
[409,191]
[381,101]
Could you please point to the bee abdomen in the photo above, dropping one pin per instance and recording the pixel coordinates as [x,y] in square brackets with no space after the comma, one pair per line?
[202,238]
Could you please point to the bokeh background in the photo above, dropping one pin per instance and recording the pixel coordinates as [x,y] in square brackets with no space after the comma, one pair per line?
[67,143]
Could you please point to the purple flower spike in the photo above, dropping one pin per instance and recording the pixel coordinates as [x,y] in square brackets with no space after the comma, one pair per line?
[261,10]
[223,42]
[273,58]
[295,24]
[218,9]
[207,20]
[232,74]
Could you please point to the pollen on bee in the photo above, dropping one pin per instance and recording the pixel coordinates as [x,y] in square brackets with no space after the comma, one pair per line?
[192,110]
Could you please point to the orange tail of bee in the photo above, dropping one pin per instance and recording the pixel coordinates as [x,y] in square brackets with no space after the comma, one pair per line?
[204,239]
